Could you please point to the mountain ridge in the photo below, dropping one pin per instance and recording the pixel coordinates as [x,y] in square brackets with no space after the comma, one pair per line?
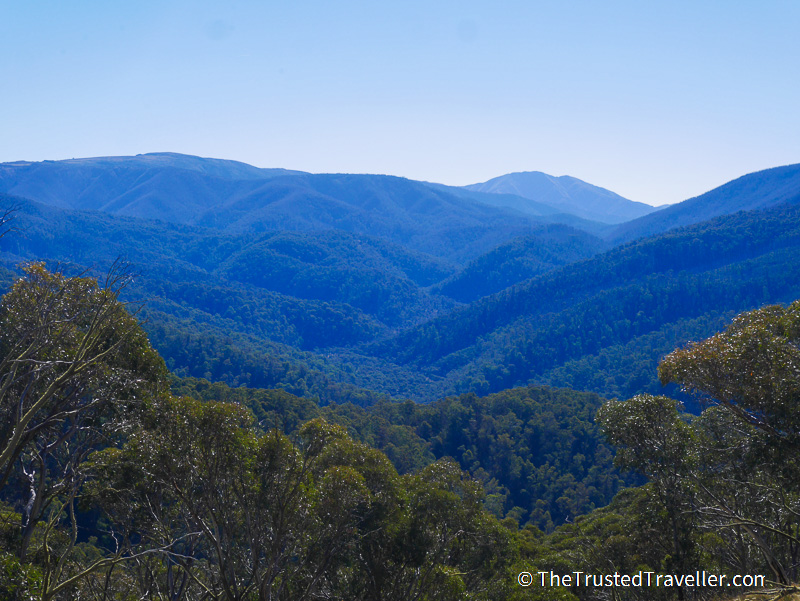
[231,196]
[566,194]
[757,190]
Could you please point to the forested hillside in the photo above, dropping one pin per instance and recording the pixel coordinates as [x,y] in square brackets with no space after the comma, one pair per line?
[597,323]
[759,190]
[333,313]
[520,259]
[265,445]
[239,493]
[258,309]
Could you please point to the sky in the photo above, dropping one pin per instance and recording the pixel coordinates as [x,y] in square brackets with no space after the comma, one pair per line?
[657,101]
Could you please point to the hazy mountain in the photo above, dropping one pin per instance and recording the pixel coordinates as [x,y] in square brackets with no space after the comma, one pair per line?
[367,312]
[565,194]
[403,211]
[758,190]
[543,212]
[363,287]
[166,186]
[236,197]
[287,270]
[256,308]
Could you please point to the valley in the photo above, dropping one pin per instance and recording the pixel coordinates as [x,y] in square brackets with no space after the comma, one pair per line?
[474,330]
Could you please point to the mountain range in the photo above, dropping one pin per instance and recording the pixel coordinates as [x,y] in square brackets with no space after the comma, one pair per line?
[451,345]
[353,287]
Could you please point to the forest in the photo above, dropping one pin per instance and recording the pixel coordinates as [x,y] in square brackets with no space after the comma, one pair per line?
[196,411]
[120,481]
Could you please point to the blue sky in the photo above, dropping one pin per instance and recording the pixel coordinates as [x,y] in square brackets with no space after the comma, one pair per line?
[656,101]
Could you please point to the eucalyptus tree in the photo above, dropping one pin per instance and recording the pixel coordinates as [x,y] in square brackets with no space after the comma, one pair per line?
[75,367]
[653,438]
[750,376]
[732,474]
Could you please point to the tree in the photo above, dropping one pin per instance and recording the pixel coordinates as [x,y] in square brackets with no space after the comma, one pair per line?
[236,514]
[752,369]
[751,374]
[652,438]
[75,367]
[729,478]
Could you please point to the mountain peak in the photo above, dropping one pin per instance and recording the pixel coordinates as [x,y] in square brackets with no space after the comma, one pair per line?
[567,194]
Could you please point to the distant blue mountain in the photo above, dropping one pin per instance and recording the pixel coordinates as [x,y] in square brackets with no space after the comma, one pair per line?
[564,194]
[759,190]
[507,300]
[166,186]
[235,197]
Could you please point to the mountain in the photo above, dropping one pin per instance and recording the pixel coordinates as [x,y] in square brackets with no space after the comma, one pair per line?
[544,213]
[517,260]
[369,274]
[601,324]
[334,314]
[759,190]
[400,210]
[347,298]
[210,321]
[234,197]
[167,186]
[313,271]
[565,194]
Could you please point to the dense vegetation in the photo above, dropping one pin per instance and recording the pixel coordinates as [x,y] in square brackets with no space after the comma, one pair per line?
[264,456]
[518,260]
[535,450]
[627,297]
[332,314]
[112,487]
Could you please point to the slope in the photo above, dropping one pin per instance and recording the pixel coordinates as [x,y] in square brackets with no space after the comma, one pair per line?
[236,197]
[627,300]
[517,260]
[566,194]
[166,186]
[182,281]
[759,190]
[400,210]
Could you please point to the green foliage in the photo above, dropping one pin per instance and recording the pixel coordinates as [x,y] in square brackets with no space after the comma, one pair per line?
[20,582]
[517,260]
[535,450]
[682,281]
[194,499]
[238,513]
[723,484]
[76,372]
[752,369]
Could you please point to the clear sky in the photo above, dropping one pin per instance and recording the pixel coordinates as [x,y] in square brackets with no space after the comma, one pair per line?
[657,101]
